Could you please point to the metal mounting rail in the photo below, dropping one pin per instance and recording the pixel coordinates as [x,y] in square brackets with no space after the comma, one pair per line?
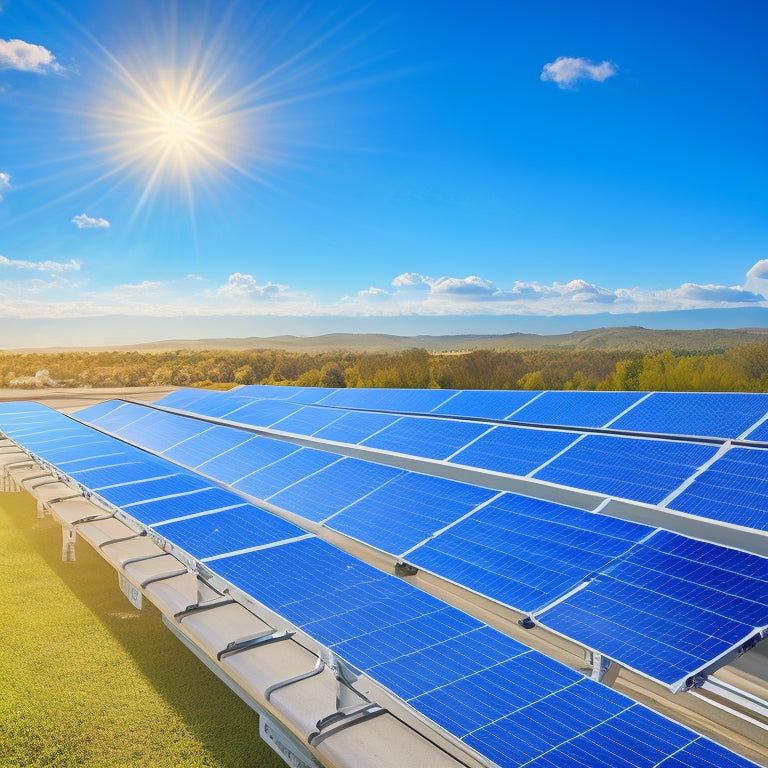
[201,607]
[316,670]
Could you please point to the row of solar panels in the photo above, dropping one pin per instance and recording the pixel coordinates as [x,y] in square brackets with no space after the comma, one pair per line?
[725,415]
[654,601]
[721,482]
[511,704]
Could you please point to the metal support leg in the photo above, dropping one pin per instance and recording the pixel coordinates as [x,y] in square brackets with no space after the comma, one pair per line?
[68,535]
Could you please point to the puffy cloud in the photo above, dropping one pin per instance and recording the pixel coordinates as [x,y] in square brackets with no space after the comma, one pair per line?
[411,280]
[5,183]
[566,70]
[87,222]
[27,57]
[52,267]
[465,286]
[719,294]
[240,285]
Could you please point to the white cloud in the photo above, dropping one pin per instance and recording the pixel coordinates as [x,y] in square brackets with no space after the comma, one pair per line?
[566,70]
[240,285]
[5,183]
[87,222]
[52,267]
[27,57]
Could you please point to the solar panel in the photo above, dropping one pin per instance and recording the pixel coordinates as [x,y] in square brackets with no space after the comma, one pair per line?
[514,450]
[93,412]
[396,400]
[733,489]
[485,404]
[427,438]
[525,552]
[577,408]
[280,474]
[157,431]
[760,432]
[334,488]
[207,444]
[407,510]
[355,426]
[631,468]
[669,608]
[193,501]
[229,530]
[245,457]
[715,414]
[122,488]
[118,418]
[261,413]
[307,421]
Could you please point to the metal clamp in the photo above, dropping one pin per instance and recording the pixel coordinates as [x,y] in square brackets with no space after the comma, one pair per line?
[254,641]
[200,607]
[121,538]
[345,719]
[316,670]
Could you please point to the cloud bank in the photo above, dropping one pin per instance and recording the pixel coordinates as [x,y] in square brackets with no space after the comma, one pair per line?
[566,70]
[5,183]
[27,57]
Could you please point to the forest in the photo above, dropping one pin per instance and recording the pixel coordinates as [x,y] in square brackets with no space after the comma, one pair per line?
[738,369]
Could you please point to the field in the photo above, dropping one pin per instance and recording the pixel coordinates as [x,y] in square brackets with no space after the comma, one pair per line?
[87,680]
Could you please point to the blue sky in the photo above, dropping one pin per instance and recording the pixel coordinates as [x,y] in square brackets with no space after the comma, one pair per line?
[379,164]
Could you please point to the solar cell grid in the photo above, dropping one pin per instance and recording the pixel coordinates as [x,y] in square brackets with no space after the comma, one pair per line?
[733,489]
[631,468]
[284,472]
[246,457]
[333,488]
[158,431]
[207,444]
[426,437]
[196,501]
[354,426]
[577,408]
[525,553]
[396,400]
[307,421]
[715,414]
[121,488]
[485,404]
[407,510]
[759,433]
[120,417]
[514,450]
[261,413]
[93,412]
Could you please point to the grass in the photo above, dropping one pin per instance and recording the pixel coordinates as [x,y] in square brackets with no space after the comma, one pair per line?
[86,680]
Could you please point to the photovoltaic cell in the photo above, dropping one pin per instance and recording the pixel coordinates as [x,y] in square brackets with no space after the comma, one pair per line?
[93,412]
[514,450]
[355,426]
[577,408]
[119,417]
[157,431]
[733,489]
[261,413]
[307,421]
[525,552]
[630,468]
[183,504]
[121,492]
[395,400]
[426,437]
[485,404]
[407,510]
[245,458]
[279,475]
[207,444]
[760,433]
[714,414]
[229,530]
[333,488]
[669,608]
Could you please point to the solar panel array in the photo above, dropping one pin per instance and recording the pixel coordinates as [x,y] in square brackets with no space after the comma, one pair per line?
[511,704]
[522,552]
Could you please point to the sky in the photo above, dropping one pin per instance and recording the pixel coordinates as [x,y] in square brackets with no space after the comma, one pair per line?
[252,168]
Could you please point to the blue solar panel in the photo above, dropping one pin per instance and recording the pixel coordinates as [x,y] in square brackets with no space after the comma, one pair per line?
[261,413]
[246,457]
[121,492]
[577,408]
[524,552]
[355,426]
[333,488]
[733,489]
[396,400]
[158,431]
[187,399]
[759,433]
[485,404]
[307,421]
[407,510]
[183,504]
[428,438]
[514,450]
[229,530]
[114,471]
[207,444]
[289,470]
[511,704]
[631,468]
[669,608]
[117,418]
[93,412]
[714,414]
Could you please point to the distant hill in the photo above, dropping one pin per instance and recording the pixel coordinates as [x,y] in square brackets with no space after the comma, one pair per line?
[629,338]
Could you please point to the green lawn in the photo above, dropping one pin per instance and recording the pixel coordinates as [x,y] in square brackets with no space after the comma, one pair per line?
[86,680]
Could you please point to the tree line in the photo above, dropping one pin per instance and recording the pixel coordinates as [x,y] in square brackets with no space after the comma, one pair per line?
[739,369]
